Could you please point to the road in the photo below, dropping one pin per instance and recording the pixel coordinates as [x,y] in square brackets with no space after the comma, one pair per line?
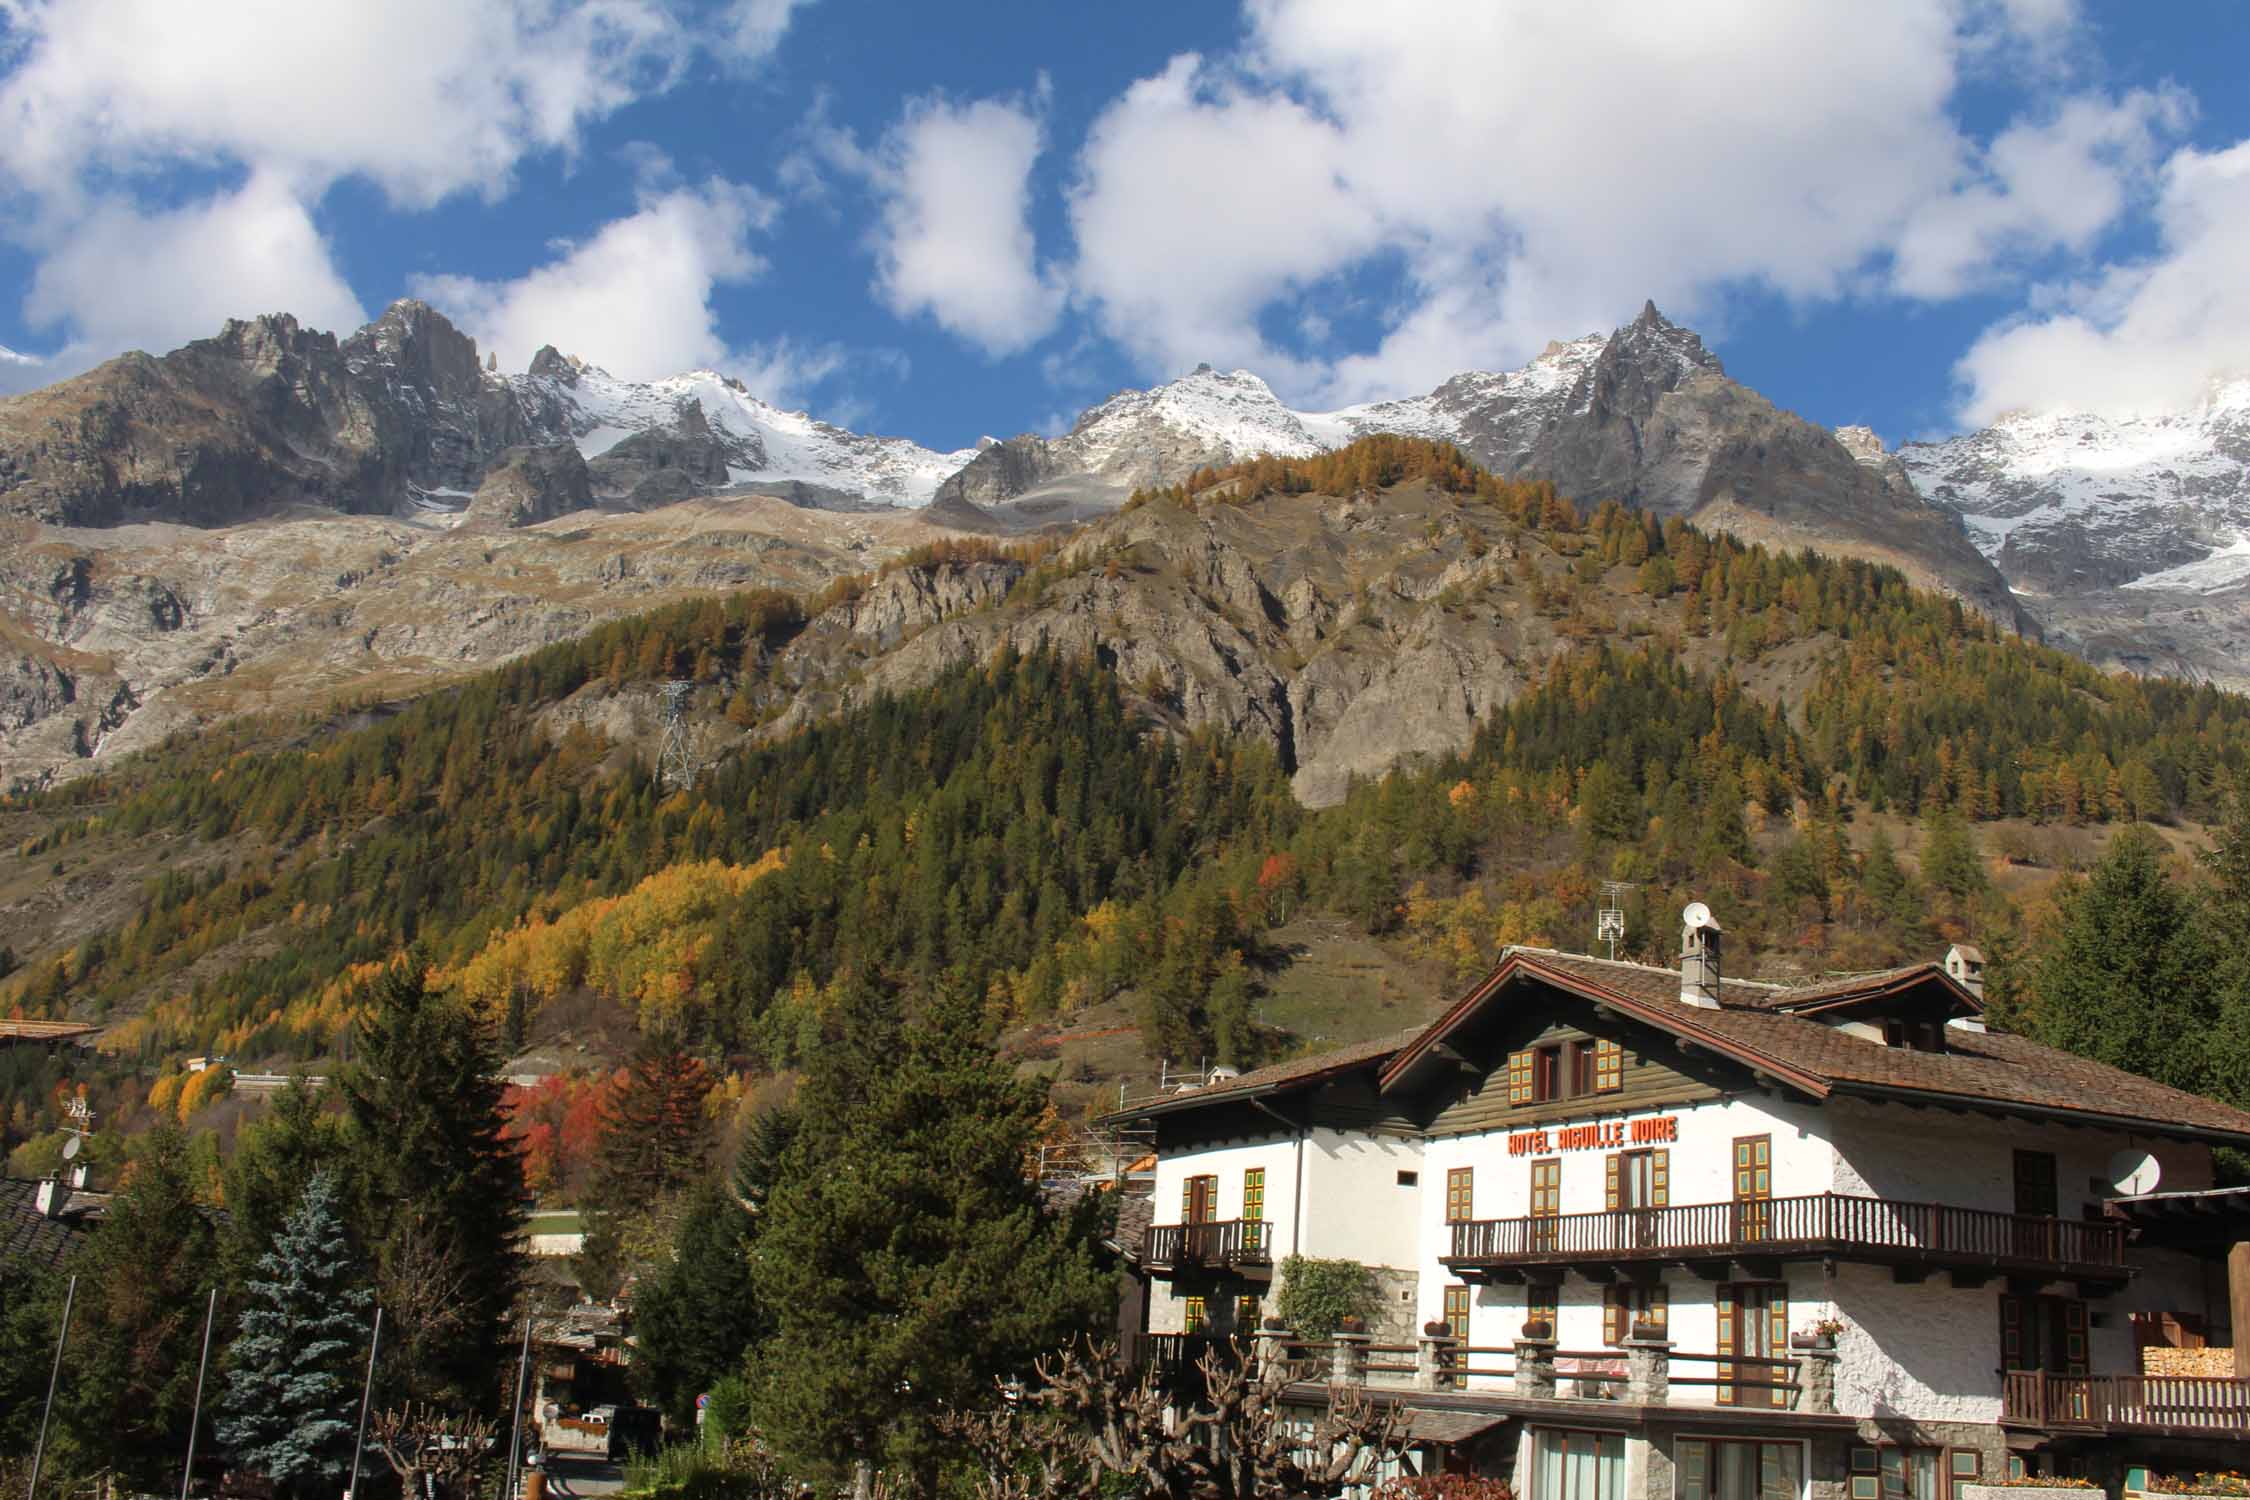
[568,1477]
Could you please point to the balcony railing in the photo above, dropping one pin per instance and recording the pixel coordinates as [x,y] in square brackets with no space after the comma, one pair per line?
[1215,1246]
[2182,1404]
[1838,1224]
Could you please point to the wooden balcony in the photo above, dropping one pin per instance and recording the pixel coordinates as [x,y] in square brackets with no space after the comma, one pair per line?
[1915,1237]
[1218,1246]
[2155,1405]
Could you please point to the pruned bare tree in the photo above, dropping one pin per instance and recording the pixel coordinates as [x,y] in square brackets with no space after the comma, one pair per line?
[1088,1416]
[418,1440]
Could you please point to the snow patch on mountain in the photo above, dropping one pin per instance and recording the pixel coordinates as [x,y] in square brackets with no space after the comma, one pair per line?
[765,445]
[2073,498]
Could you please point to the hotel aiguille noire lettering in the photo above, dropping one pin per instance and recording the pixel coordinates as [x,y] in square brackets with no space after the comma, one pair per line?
[1604,1135]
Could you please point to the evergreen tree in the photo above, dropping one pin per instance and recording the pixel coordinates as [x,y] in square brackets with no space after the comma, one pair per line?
[906,1257]
[136,1332]
[2227,864]
[696,1316]
[441,1196]
[1950,861]
[2127,979]
[1888,888]
[289,1394]
[1798,878]
[655,1142]
[1723,837]
[275,1159]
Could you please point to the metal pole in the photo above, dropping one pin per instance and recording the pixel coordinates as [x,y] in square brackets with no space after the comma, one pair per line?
[366,1390]
[195,1413]
[39,1450]
[515,1436]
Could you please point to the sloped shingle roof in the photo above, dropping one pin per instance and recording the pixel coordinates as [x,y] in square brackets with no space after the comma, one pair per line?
[27,1236]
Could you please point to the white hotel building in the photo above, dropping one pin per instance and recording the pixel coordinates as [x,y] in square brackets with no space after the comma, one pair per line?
[1631,1195]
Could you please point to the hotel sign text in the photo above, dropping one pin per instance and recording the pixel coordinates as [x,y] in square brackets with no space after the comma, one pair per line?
[1608,1135]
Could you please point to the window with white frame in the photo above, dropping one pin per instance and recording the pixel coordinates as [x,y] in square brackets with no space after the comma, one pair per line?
[1570,1465]
[1739,1469]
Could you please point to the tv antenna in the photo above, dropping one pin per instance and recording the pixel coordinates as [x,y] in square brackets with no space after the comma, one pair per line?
[1609,921]
[675,759]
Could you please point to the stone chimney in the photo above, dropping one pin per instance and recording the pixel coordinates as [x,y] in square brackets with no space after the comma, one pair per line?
[1699,957]
[53,1196]
[1964,964]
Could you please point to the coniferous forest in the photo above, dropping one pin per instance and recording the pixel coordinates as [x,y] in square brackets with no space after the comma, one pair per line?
[824,949]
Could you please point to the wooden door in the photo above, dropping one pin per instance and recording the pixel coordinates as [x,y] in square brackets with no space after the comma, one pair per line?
[1753,1323]
[1199,1204]
[1753,1186]
[1546,1201]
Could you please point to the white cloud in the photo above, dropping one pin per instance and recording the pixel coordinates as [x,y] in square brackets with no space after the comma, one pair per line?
[635,298]
[2038,188]
[1530,171]
[953,238]
[2138,336]
[124,278]
[750,30]
[425,97]
[105,103]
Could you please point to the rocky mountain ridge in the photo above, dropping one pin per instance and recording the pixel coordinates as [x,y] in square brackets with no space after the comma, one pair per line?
[1645,414]
[2127,538]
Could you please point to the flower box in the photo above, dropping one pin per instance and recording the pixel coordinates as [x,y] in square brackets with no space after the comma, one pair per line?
[2025,1490]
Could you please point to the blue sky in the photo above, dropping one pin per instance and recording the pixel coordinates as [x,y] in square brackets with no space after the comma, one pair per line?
[943,221]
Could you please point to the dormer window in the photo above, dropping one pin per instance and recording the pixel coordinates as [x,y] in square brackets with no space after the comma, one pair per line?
[1917,1036]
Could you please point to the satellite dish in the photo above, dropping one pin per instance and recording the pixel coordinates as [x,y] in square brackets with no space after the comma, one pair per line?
[1697,915]
[2134,1172]
[70,1147]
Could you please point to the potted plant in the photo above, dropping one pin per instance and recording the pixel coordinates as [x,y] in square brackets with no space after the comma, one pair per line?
[1274,1324]
[1351,1323]
[1821,1334]
[1437,1328]
[1647,1332]
[1538,1328]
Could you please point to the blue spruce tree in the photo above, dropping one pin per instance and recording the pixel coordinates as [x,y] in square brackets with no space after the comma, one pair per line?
[289,1396]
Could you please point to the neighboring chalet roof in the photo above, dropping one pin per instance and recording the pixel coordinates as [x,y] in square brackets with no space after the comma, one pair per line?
[1275,1078]
[2204,1220]
[1135,1213]
[30,1238]
[45,1031]
[1772,1030]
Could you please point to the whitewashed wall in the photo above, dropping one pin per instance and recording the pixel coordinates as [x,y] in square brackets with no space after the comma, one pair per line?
[1892,1151]
[1228,1161]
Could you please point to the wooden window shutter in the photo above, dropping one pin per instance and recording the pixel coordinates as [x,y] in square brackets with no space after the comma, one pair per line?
[1616,1315]
[1612,1192]
[1187,1201]
[2011,1332]
[1519,1077]
[1963,1466]
[1726,1342]
[2074,1336]
[1659,1309]
[1659,1179]
[1777,1345]
[1609,1067]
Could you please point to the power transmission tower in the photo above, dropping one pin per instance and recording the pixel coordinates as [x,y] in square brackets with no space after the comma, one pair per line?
[675,760]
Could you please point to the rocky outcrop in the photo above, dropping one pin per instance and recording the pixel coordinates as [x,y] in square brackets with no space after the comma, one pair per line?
[659,465]
[526,486]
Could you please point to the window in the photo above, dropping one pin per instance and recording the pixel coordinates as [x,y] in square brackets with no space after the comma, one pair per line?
[1623,1306]
[1546,1073]
[1577,1465]
[2035,1184]
[1198,1316]
[1254,1195]
[1460,1195]
[1894,1034]
[2043,1333]
[1886,1471]
[1540,1304]
[1546,1201]
[1638,1179]
[1754,1324]
[1409,1179]
[1199,1200]
[1729,1469]
[1457,1311]
[1245,1315]
[1581,1056]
